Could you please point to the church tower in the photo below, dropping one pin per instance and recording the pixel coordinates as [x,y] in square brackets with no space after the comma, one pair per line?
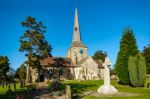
[77,51]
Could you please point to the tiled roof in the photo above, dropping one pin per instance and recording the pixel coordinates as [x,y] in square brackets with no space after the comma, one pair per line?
[57,61]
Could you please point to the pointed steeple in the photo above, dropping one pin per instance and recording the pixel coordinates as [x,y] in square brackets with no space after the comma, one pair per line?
[76,30]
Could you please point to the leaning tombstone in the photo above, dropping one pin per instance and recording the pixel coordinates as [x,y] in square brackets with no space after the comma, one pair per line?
[148,85]
[6,84]
[21,84]
[3,84]
[15,86]
[9,89]
[68,92]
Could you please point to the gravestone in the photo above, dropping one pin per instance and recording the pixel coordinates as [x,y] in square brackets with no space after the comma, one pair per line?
[3,84]
[21,83]
[107,88]
[68,92]
[9,89]
[15,86]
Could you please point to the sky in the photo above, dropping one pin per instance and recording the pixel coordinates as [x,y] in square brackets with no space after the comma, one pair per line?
[101,24]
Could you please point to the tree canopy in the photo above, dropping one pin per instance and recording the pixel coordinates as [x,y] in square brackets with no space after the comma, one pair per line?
[100,55]
[4,67]
[33,42]
[21,72]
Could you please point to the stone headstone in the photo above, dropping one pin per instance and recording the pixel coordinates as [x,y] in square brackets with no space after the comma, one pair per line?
[3,84]
[68,92]
[15,86]
[9,89]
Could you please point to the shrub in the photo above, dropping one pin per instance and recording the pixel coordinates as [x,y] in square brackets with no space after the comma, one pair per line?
[137,70]
[133,75]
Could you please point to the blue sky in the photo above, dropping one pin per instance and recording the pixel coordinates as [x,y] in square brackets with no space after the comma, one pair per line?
[101,24]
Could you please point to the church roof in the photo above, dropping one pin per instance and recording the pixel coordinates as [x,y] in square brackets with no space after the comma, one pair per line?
[57,61]
[77,44]
[100,64]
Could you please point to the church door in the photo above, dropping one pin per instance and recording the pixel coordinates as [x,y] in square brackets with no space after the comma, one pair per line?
[42,78]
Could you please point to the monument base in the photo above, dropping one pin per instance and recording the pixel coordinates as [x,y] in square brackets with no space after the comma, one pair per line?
[107,89]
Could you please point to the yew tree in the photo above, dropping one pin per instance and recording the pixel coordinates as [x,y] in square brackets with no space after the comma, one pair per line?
[128,47]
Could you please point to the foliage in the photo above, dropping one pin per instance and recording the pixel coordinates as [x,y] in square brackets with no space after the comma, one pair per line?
[4,67]
[100,55]
[133,72]
[128,48]
[112,71]
[10,75]
[141,65]
[33,43]
[21,72]
[137,70]
[146,54]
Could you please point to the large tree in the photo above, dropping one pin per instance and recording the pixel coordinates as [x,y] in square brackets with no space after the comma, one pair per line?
[33,43]
[146,54]
[99,55]
[128,48]
[4,67]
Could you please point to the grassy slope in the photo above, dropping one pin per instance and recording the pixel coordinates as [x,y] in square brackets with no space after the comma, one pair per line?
[80,87]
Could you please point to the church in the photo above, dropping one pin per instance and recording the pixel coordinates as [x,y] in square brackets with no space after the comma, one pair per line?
[85,67]
[77,65]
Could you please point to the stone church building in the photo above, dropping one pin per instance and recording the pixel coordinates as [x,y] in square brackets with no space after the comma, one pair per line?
[77,64]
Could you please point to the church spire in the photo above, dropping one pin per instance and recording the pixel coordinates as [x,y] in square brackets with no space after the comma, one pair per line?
[76,30]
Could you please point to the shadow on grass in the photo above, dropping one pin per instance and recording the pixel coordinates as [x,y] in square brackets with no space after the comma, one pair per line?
[8,96]
[12,95]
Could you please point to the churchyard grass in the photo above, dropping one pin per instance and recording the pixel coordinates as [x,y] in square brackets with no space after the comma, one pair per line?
[4,90]
[126,92]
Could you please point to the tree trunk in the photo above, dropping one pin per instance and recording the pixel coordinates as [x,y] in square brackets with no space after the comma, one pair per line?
[38,75]
[28,75]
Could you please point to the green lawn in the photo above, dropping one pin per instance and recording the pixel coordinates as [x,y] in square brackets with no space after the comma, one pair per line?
[3,91]
[81,87]
[91,86]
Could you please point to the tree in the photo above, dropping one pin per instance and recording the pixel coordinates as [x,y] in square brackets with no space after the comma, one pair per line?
[137,70]
[4,67]
[146,54]
[10,75]
[34,44]
[128,48]
[100,55]
[21,72]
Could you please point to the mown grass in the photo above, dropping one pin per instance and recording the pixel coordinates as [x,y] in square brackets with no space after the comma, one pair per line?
[4,95]
[80,87]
